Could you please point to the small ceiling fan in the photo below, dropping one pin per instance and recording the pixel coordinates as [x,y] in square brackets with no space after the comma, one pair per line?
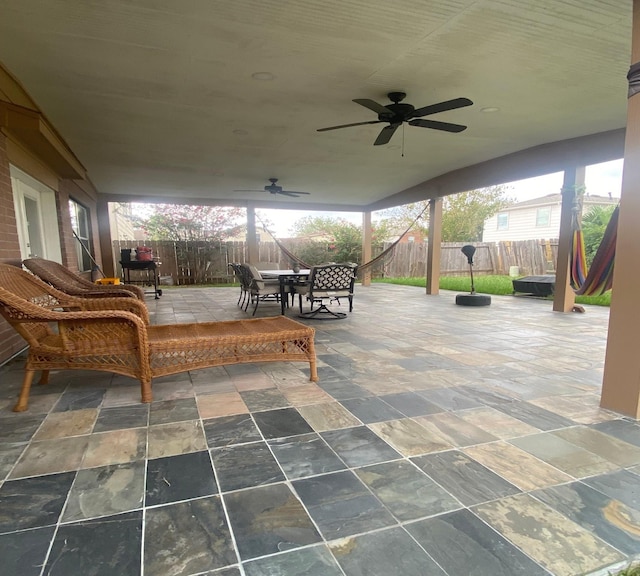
[273,188]
[396,113]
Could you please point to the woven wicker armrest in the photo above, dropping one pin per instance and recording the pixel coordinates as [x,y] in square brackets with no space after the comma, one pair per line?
[113,341]
[108,291]
[123,304]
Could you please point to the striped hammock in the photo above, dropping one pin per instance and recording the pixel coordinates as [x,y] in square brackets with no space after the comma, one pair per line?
[599,278]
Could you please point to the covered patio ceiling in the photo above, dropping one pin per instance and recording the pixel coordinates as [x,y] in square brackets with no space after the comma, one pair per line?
[192,100]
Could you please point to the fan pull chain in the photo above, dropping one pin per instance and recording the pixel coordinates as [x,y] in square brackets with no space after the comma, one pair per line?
[403,139]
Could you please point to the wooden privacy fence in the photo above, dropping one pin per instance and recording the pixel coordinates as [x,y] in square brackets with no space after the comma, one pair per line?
[530,257]
[201,262]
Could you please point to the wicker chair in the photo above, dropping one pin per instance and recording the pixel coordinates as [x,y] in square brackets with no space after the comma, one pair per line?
[111,334]
[63,279]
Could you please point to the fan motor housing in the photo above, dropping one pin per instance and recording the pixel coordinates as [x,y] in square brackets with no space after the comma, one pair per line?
[401,112]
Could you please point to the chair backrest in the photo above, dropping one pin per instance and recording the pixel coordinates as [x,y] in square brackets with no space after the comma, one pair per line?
[246,276]
[67,281]
[56,274]
[23,298]
[332,278]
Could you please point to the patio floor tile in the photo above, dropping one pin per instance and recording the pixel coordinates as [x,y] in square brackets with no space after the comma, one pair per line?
[281,423]
[463,544]
[180,477]
[269,519]
[187,538]
[227,430]
[400,459]
[551,539]
[609,519]
[390,551]
[467,480]
[314,561]
[359,446]
[340,505]
[245,466]
[101,546]
[105,491]
[406,491]
[305,455]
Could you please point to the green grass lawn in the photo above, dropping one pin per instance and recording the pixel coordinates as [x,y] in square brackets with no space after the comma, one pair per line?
[486,285]
[630,571]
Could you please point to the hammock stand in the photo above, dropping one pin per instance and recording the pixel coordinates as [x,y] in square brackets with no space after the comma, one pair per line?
[599,278]
[386,252]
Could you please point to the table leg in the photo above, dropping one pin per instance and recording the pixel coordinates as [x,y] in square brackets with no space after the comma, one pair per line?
[284,298]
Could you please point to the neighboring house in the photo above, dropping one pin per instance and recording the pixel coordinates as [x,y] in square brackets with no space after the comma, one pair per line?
[409,237]
[120,221]
[537,219]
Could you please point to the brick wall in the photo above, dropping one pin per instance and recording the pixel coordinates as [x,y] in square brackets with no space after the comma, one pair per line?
[10,342]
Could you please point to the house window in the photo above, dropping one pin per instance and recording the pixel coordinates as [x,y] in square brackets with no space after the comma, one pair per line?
[543,216]
[411,239]
[503,221]
[80,226]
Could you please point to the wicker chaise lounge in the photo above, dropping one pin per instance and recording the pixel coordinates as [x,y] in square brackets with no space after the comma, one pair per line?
[77,334]
[65,280]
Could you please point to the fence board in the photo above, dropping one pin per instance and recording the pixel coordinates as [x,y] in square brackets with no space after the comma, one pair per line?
[208,262]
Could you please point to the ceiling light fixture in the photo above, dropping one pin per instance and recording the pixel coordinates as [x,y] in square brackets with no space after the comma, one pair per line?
[490,109]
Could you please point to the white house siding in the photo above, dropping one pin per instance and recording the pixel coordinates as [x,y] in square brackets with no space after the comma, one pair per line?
[522,225]
[522,219]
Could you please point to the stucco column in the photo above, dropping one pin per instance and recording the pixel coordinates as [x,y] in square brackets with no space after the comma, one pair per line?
[367,234]
[433,248]
[621,384]
[564,297]
[252,238]
[104,239]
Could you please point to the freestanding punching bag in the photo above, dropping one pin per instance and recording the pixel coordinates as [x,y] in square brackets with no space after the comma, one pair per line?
[471,299]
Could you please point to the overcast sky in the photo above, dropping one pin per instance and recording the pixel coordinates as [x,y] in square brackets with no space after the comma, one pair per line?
[600,180]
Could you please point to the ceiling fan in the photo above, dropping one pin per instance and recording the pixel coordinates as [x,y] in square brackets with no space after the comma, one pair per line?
[396,113]
[273,188]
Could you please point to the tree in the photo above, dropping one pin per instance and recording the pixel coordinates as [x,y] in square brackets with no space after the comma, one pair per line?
[463,214]
[332,239]
[594,224]
[184,222]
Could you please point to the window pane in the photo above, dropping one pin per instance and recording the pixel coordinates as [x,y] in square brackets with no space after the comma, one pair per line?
[543,216]
[503,221]
[80,225]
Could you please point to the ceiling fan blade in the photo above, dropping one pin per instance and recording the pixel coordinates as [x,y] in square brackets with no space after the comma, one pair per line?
[249,190]
[373,105]
[444,126]
[348,125]
[441,107]
[385,134]
[293,192]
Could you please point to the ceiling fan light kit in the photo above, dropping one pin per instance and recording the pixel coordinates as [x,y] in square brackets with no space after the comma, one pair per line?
[396,113]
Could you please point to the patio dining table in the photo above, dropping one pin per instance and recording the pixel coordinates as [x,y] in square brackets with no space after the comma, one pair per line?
[288,279]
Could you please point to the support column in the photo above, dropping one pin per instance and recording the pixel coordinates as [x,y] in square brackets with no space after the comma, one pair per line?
[367,234]
[621,384]
[434,248]
[104,239]
[564,297]
[252,238]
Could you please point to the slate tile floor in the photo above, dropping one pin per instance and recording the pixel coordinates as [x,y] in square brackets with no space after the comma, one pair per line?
[440,440]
